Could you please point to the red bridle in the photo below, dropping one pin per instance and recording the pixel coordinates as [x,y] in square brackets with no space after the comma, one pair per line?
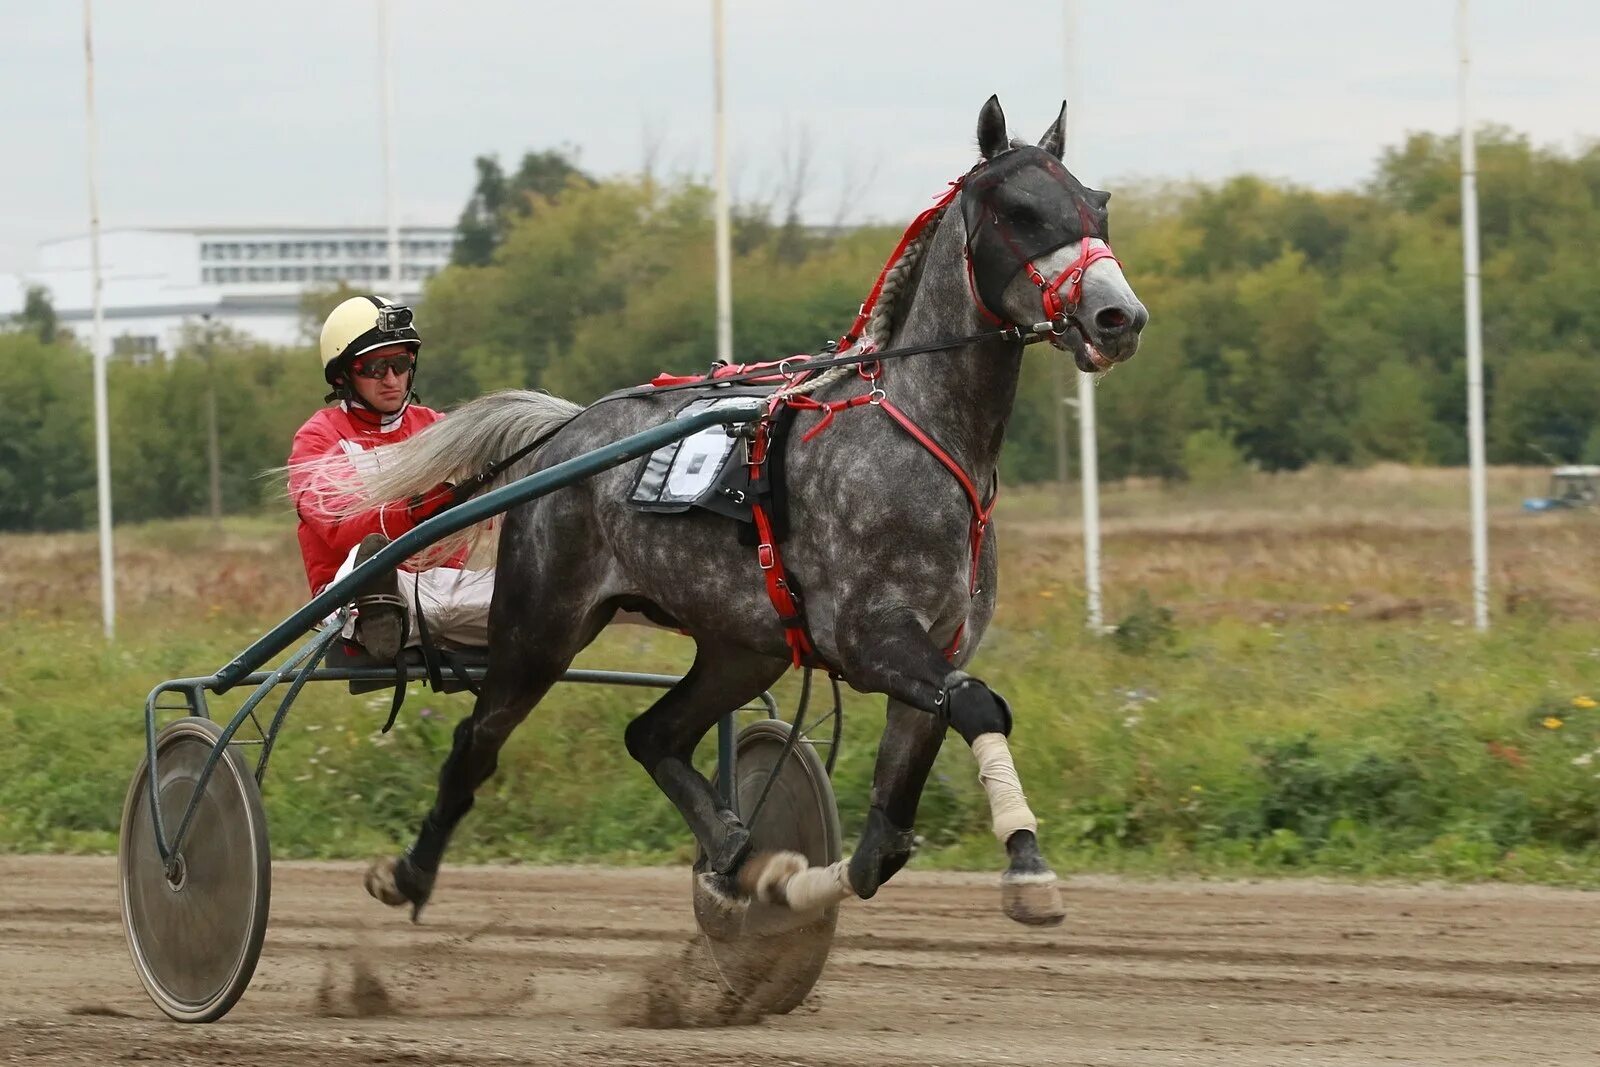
[1056,309]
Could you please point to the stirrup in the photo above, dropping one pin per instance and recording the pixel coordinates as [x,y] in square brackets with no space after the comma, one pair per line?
[375,614]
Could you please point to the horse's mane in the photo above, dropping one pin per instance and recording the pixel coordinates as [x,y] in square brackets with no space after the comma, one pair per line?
[894,300]
[893,304]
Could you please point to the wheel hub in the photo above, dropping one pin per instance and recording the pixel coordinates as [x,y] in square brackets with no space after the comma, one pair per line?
[177,874]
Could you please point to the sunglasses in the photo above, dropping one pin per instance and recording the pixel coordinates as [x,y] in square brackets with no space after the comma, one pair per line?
[378,368]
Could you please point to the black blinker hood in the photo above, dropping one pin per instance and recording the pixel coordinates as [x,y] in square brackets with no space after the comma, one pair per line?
[1045,208]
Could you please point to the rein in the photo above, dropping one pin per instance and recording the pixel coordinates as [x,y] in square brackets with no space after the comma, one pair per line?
[733,374]
[758,372]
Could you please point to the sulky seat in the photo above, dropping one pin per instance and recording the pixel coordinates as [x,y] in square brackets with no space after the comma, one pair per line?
[459,668]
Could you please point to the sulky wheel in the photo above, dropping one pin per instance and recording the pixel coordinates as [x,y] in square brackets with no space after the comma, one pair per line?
[195,936]
[776,957]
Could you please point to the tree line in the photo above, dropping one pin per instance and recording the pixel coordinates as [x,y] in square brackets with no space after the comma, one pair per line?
[1289,326]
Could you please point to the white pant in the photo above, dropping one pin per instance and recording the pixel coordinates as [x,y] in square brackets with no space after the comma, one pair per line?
[455,601]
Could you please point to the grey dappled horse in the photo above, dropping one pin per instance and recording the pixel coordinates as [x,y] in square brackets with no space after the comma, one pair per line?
[879,540]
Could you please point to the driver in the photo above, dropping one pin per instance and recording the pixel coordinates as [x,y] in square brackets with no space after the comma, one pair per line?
[369,359]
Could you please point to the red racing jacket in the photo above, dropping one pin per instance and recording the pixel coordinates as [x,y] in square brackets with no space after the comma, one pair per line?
[326,540]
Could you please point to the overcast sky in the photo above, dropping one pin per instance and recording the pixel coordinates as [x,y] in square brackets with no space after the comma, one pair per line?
[237,113]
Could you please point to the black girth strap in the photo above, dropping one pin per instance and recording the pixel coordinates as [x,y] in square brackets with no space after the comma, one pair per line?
[770,487]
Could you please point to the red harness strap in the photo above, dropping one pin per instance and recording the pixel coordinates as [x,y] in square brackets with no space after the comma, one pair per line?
[726,371]
[829,408]
[790,611]
[784,602]
[981,512]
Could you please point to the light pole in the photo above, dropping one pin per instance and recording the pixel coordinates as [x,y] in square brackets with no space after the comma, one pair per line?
[102,432]
[1474,313]
[1088,443]
[724,232]
[391,214]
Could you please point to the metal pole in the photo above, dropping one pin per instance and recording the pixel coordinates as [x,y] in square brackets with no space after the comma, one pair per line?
[1089,457]
[102,434]
[1088,446]
[726,785]
[724,234]
[213,450]
[1062,375]
[1469,255]
[391,215]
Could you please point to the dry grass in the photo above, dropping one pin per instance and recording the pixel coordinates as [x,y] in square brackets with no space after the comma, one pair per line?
[251,568]
[1388,542]
[1384,543]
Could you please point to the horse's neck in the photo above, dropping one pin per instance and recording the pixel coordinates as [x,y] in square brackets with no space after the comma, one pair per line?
[962,397]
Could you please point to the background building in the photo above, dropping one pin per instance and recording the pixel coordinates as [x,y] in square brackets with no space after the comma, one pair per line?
[248,278]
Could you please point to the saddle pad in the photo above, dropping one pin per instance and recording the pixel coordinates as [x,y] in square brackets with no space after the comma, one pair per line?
[689,472]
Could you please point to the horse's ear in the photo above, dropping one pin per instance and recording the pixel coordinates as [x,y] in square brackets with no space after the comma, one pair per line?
[992,139]
[1055,138]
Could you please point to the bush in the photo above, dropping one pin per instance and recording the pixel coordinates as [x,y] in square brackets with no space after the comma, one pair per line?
[1211,459]
[1147,628]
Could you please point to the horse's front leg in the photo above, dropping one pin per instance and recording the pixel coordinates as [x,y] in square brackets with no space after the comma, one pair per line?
[897,657]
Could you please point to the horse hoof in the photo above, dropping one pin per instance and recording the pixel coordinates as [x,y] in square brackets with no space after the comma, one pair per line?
[397,882]
[380,882]
[1033,898]
[718,911]
[765,875]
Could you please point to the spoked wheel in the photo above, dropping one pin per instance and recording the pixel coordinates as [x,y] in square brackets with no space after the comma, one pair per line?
[777,956]
[195,933]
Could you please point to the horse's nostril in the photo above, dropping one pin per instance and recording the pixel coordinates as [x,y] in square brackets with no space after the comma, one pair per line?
[1112,319]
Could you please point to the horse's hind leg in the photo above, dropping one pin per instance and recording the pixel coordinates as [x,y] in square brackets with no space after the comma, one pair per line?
[523,664]
[663,741]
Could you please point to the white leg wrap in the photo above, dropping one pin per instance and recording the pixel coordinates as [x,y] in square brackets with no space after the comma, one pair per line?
[770,873]
[1007,806]
[816,888]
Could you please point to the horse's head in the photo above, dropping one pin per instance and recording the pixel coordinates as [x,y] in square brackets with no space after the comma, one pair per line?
[1037,245]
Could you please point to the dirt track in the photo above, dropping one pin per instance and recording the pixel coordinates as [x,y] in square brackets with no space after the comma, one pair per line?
[530,965]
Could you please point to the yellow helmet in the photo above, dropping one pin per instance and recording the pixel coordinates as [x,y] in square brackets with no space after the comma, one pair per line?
[360,325]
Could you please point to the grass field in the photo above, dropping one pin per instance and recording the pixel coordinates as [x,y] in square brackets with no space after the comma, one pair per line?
[1294,687]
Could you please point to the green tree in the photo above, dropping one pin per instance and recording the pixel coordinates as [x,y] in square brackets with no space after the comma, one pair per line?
[1547,410]
[38,315]
[1278,409]
[46,456]
[497,201]
[1393,417]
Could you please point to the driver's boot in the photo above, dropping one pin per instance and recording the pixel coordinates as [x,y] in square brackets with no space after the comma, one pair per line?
[380,611]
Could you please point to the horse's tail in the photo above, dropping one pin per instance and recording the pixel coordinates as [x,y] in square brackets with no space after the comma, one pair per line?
[476,435]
